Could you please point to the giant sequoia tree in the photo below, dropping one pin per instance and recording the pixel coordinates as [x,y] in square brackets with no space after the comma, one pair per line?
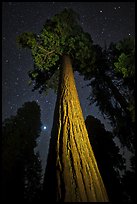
[72,173]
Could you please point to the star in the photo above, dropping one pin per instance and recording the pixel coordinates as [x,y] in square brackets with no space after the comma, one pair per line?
[44,127]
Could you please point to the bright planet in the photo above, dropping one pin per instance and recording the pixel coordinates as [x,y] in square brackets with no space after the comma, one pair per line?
[44,127]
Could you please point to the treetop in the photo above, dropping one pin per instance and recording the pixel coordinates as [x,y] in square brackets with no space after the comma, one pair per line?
[62,34]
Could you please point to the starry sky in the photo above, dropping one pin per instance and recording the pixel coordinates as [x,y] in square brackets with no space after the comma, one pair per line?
[105,21]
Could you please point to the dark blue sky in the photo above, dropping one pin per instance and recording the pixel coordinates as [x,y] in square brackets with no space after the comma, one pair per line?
[105,21]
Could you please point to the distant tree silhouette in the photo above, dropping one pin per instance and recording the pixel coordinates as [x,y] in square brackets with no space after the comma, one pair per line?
[112,81]
[21,167]
[113,87]
[108,158]
[128,183]
[128,187]
[121,65]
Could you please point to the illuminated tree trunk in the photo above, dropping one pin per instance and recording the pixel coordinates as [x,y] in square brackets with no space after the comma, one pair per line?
[72,173]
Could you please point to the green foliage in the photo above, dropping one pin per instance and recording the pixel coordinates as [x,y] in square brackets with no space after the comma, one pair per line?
[113,87]
[126,45]
[60,35]
[27,39]
[126,62]
[125,66]
[121,65]
[66,23]
[40,77]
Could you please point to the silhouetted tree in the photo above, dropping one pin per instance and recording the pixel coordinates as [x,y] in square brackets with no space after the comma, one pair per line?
[113,88]
[33,179]
[109,160]
[21,167]
[128,187]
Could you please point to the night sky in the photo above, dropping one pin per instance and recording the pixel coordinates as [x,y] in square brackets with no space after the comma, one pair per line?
[105,21]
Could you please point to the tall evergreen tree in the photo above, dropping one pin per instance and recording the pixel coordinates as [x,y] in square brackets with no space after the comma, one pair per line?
[110,161]
[113,87]
[71,165]
[113,90]
[21,167]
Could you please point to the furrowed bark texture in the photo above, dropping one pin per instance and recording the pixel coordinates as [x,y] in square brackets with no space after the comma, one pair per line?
[72,173]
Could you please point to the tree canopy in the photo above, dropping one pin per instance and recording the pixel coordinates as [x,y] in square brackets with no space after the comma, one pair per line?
[60,35]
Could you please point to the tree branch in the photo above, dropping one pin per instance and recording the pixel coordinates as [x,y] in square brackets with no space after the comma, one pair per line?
[47,52]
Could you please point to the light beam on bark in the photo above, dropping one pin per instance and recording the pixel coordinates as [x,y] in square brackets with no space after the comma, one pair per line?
[72,174]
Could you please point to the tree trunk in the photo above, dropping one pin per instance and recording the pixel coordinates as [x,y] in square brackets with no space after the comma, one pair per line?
[72,173]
